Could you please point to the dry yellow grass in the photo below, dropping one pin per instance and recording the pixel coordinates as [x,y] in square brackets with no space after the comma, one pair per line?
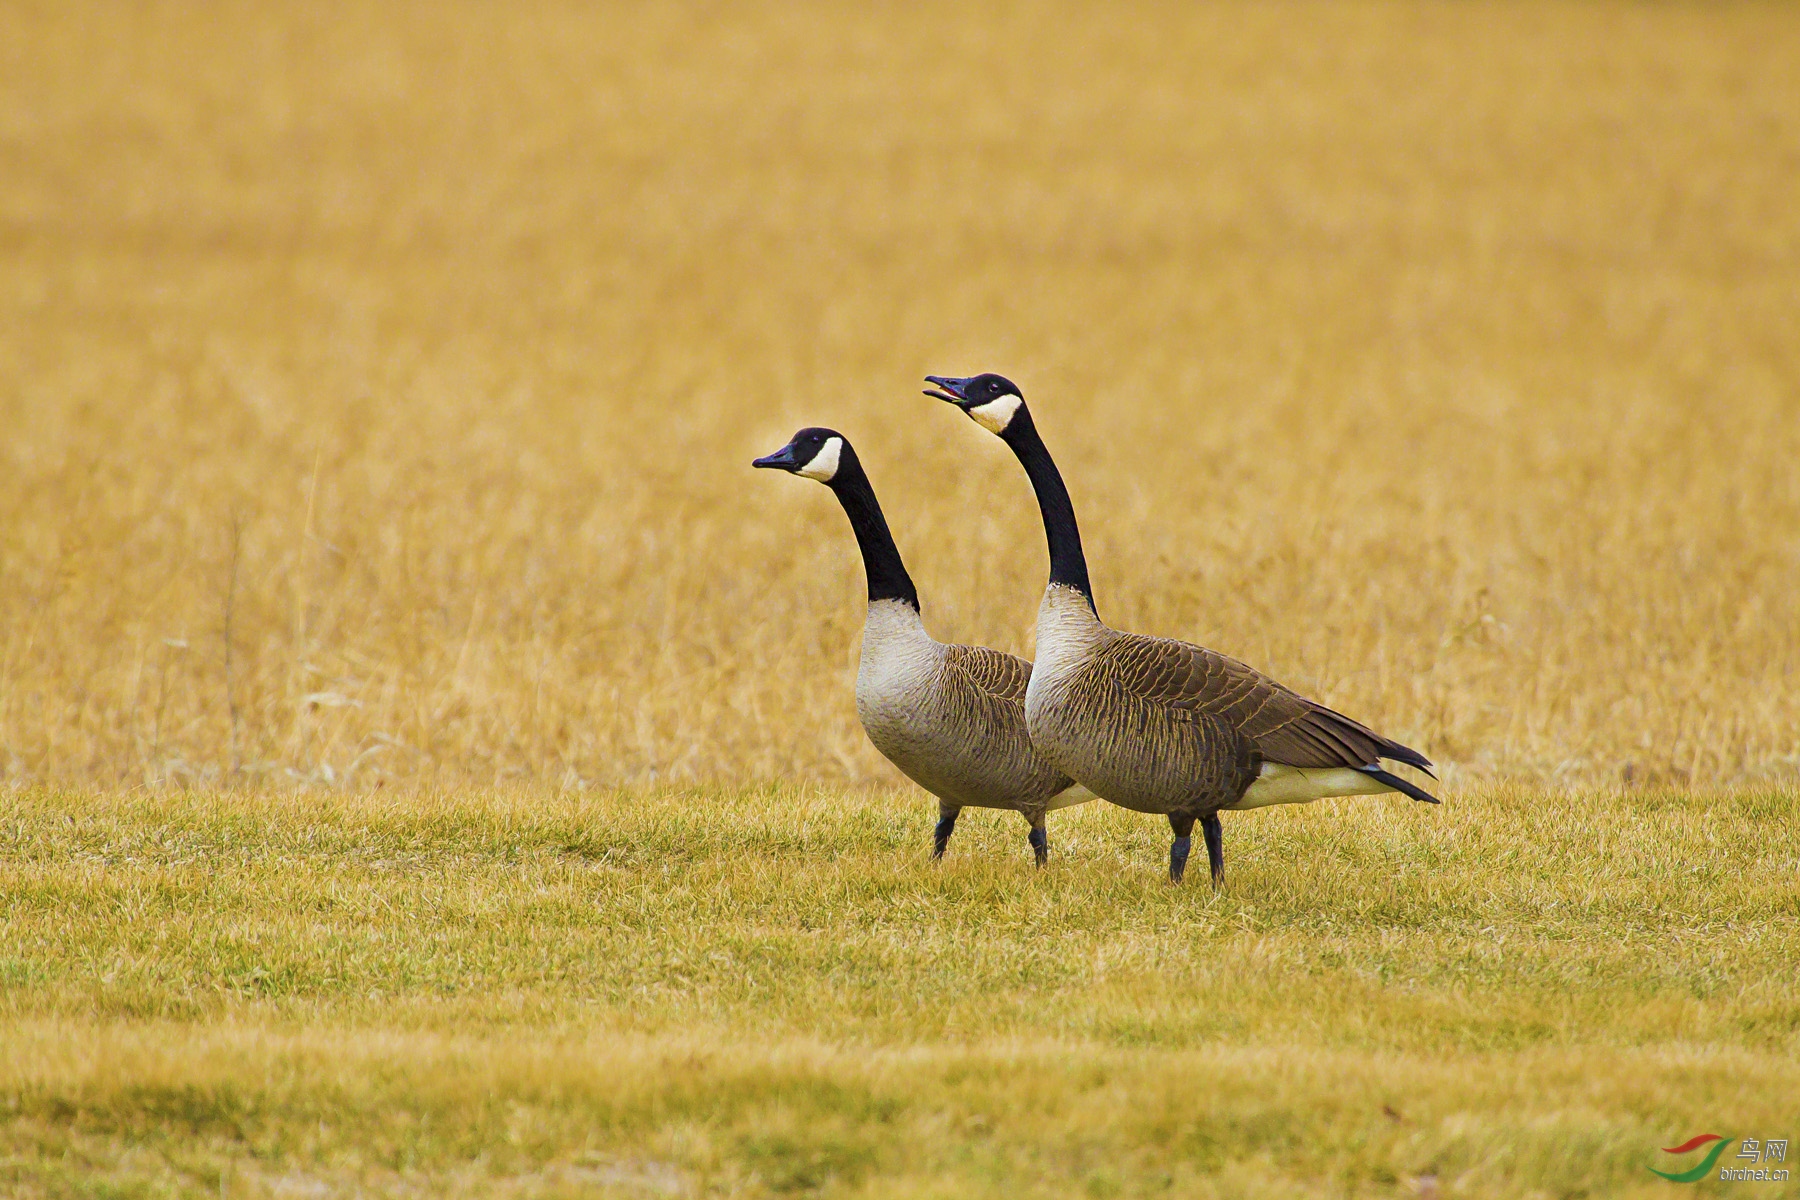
[380,381]
[379,384]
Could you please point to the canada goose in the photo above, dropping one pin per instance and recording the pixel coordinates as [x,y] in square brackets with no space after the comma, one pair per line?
[1157,725]
[951,717]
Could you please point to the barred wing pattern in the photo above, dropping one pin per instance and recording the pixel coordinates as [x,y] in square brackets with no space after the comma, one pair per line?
[1208,689]
[963,737]
[1003,676]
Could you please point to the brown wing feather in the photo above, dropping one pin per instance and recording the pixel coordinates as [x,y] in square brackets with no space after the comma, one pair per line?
[1001,675]
[1284,726]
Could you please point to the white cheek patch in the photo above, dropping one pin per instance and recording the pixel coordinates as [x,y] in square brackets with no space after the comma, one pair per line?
[824,464]
[995,415]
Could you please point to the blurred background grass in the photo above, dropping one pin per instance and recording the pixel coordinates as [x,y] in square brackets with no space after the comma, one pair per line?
[379,381]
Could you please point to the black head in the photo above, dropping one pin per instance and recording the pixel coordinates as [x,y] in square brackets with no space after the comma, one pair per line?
[815,453]
[992,401]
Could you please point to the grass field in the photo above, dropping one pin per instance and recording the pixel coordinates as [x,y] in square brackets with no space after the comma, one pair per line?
[427,761]
[773,991]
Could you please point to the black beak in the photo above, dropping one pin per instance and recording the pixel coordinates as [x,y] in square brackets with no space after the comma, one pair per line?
[948,388]
[782,460]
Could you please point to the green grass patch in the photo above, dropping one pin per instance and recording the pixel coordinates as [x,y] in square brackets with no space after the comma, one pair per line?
[773,991]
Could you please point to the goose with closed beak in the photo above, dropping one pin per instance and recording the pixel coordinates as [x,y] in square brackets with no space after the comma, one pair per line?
[1157,725]
[952,718]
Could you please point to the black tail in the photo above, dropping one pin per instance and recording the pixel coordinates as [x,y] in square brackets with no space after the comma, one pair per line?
[1399,784]
[1407,755]
[1335,733]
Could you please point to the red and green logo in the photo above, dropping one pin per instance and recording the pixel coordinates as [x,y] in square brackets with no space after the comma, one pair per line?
[1706,1164]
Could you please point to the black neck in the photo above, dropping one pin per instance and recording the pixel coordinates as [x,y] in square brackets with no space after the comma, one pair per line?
[1068,565]
[888,579]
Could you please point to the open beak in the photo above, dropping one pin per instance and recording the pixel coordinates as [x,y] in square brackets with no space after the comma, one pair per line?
[782,460]
[948,388]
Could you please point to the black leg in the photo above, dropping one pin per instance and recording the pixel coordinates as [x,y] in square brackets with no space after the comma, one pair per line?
[1040,841]
[940,837]
[1215,847]
[1183,825]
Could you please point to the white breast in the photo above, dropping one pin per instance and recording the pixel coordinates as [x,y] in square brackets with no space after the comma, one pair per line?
[899,665]
[1068,633]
